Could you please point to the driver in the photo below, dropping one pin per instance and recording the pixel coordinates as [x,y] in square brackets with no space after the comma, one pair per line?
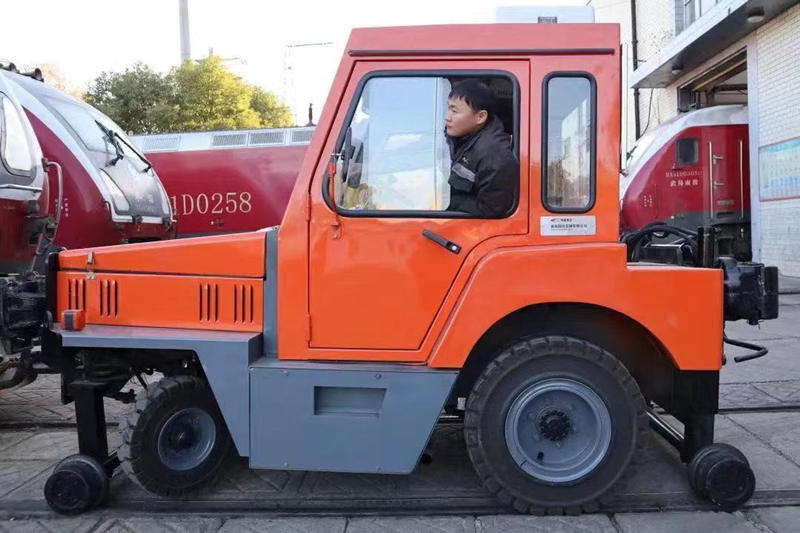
[484,173]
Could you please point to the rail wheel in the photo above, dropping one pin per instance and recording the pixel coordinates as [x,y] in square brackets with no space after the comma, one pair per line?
[552,423]
[78,483]
[174,439]
[721,473]
[16,372]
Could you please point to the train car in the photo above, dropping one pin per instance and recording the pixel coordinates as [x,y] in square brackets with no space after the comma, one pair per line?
[24,189]
[693,171]
[111,193]
[24,224]
[99,190]
[227,181]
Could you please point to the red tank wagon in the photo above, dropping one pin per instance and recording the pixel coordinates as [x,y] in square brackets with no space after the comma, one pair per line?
[227,181]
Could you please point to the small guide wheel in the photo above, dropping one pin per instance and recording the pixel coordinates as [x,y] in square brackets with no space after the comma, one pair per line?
[78,483]
[721,473]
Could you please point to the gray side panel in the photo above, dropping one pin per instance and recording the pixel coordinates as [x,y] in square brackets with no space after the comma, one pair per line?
[225,357]
[271,294]
[343,417]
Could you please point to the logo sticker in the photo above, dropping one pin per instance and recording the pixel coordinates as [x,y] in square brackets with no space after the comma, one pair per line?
[552,226]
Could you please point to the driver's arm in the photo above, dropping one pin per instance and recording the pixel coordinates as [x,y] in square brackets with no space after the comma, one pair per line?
[496,185]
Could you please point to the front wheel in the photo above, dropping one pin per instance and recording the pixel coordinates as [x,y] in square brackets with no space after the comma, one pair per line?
[552,423]
[174,439]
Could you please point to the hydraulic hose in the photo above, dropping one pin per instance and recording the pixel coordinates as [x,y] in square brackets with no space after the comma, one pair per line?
[758,351]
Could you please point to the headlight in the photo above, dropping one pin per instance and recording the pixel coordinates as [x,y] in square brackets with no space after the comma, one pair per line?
[117,196]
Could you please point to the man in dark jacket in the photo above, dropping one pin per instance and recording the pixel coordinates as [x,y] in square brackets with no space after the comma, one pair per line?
[484,173]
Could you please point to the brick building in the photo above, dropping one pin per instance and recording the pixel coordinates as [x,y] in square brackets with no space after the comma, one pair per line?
[697,53]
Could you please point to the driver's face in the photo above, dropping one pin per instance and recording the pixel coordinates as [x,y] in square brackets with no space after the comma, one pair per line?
[461,119]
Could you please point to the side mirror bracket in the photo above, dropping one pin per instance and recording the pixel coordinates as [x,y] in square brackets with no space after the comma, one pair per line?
[332,176]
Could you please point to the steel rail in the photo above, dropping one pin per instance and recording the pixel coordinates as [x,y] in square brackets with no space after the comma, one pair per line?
[388,506]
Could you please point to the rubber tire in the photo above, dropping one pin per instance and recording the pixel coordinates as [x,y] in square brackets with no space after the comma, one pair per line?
[140,428]
[522,365]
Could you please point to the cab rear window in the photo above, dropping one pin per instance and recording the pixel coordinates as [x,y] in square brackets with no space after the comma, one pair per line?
[568,142]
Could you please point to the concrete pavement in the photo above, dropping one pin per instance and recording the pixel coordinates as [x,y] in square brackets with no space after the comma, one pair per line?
[763,520]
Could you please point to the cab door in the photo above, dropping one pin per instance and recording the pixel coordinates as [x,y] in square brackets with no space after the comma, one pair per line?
[681,181]
[382,261]
[726,148]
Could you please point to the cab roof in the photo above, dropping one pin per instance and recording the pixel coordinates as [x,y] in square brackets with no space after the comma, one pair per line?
[516,39]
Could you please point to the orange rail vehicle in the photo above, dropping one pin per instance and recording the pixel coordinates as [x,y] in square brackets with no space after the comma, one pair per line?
[335,341]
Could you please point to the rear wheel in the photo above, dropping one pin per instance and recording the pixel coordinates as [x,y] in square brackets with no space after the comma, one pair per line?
[174,439]
[552,423]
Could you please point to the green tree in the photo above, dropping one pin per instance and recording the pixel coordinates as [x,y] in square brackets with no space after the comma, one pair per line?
[197,96]
[273,112]
[212,98]
[139,99]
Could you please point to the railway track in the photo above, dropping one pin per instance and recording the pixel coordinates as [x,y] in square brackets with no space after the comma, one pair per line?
[51,422]
[445,505]
[447,485]
[392,506]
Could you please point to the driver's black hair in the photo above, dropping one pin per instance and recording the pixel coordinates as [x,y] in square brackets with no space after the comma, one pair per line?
[475,93]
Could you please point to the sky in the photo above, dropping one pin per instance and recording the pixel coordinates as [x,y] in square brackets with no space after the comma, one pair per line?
[85,37]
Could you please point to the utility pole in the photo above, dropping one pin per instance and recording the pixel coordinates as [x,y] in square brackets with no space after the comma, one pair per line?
[183,14]
[288,70]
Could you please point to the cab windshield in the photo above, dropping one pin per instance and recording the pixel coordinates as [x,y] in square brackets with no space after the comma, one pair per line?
[83,121]
[133,184]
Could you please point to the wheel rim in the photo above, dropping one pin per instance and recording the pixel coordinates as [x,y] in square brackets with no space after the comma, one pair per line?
[186,439]
[558,430]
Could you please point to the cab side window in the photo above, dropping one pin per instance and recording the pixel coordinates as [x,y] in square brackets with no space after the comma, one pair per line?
[393,157]
[569,144]
[687,152]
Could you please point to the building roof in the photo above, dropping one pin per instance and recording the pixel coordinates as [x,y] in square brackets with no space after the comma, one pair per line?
[724,24]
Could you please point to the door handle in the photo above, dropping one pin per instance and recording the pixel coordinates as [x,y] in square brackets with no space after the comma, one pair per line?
[441,241]
[719,184]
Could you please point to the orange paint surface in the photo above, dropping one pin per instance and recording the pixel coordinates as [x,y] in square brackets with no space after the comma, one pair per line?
[654,296]
[239,255]
[398,277]
[226,304]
